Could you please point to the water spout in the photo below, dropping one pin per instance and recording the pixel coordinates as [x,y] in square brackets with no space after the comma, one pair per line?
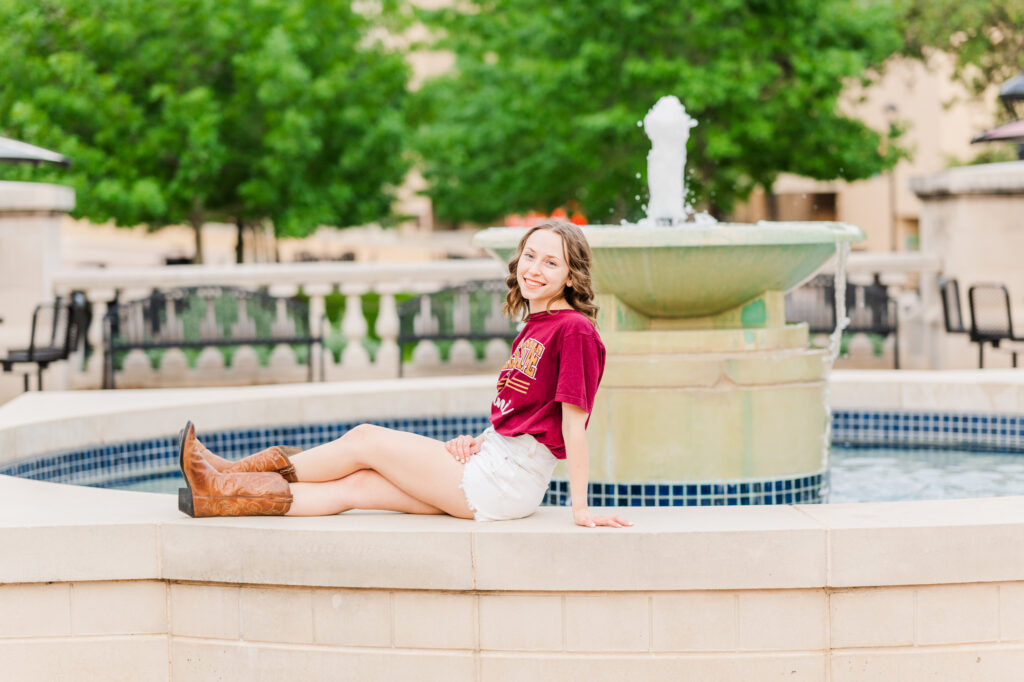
[668,126]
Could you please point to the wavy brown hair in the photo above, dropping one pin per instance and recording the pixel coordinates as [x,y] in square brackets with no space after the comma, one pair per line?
[580,296]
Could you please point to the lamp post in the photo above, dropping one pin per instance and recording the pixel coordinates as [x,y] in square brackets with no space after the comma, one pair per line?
[890,117]
[1011,94]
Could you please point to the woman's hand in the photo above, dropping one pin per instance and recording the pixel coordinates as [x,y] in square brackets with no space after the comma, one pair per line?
[583,517]
[464,447]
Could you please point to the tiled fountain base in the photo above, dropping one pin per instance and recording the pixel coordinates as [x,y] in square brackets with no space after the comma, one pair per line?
[128,462]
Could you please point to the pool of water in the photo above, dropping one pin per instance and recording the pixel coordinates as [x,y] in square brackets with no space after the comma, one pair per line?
[885,474]
[860,474]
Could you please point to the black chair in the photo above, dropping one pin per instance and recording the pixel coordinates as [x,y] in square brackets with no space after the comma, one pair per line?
[56,330]
[952,316]
[991,320]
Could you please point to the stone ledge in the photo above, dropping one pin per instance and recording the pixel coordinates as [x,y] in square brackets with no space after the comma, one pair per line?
[60,532]
[56,532]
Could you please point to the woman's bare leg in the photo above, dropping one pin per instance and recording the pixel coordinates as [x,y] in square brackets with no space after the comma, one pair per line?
[417,465]
[364,489]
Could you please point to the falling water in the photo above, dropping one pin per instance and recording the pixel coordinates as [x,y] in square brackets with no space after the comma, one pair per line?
[835,340]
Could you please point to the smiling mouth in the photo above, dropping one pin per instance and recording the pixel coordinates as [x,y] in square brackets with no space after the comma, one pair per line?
[532,283]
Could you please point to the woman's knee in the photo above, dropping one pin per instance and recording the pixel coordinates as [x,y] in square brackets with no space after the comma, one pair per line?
[359,442]
[362,432]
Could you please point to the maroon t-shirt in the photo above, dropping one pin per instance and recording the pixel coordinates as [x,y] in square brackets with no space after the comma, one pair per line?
[557,357]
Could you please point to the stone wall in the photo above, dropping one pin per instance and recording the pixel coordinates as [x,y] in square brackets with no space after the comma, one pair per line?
[152,630]
[113,585]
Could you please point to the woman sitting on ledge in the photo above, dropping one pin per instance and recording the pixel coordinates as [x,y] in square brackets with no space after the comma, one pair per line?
[545,395]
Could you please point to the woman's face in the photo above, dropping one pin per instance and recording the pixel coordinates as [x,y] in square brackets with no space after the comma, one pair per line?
[542,272]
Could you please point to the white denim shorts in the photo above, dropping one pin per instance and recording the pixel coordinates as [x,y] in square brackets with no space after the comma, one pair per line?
[507,479]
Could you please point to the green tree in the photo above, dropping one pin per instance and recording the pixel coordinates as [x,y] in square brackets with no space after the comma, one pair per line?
[985,37]
[543,103]
[247,111]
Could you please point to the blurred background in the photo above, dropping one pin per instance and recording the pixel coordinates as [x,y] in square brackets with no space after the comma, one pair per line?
[161,160]
[294,130]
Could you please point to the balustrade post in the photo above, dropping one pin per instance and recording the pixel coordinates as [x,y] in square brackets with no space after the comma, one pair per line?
[354,328]
[425,355]
[496,322]
[317,325]
[92,375]
[282,358]
[136,370]
[389,356]
[929,318]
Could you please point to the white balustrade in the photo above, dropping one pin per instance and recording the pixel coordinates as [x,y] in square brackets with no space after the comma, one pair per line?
[317,281]
[911,278]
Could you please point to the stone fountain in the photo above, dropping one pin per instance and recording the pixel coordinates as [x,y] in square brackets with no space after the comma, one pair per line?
[709,395]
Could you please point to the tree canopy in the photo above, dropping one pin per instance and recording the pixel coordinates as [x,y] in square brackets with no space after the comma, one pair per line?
[986,37]
[542,106]
[286,111]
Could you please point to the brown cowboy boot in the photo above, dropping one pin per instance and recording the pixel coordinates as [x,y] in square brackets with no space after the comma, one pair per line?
[212,493]
[274,458]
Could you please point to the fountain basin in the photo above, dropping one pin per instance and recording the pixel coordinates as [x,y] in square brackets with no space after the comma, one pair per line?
[803,592]
[698,271]
[704,378]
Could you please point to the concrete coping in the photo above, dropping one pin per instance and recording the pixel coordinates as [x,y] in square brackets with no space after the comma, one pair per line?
[35,197]
[988,178]
[53,532]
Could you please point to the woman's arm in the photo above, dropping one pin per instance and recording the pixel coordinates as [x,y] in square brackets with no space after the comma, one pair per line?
[574,422]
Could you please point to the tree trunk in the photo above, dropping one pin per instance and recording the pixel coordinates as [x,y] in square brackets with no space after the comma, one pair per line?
[772,200]
[272,237]
[240,241]
[196,218]
[196,222]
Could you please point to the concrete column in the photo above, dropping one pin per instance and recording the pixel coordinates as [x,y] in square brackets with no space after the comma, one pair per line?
[972,217]
[30,215]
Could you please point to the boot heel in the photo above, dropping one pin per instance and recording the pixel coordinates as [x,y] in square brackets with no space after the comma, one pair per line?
[185,502]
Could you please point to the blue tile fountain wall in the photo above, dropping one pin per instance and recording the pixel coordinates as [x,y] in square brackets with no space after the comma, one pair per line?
[122,464]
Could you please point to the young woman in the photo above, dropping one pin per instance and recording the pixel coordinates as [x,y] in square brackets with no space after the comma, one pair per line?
[545,395]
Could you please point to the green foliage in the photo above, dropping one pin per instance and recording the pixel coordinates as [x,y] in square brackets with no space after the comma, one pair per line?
[984,36]
[993,152]
[253,110]
[542,107]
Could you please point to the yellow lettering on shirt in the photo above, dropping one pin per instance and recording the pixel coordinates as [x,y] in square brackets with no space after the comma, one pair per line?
[526,357]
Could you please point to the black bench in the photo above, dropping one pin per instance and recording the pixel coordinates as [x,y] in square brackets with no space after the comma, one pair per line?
[206,316]
[57,328]
[869,308]
[471,311]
